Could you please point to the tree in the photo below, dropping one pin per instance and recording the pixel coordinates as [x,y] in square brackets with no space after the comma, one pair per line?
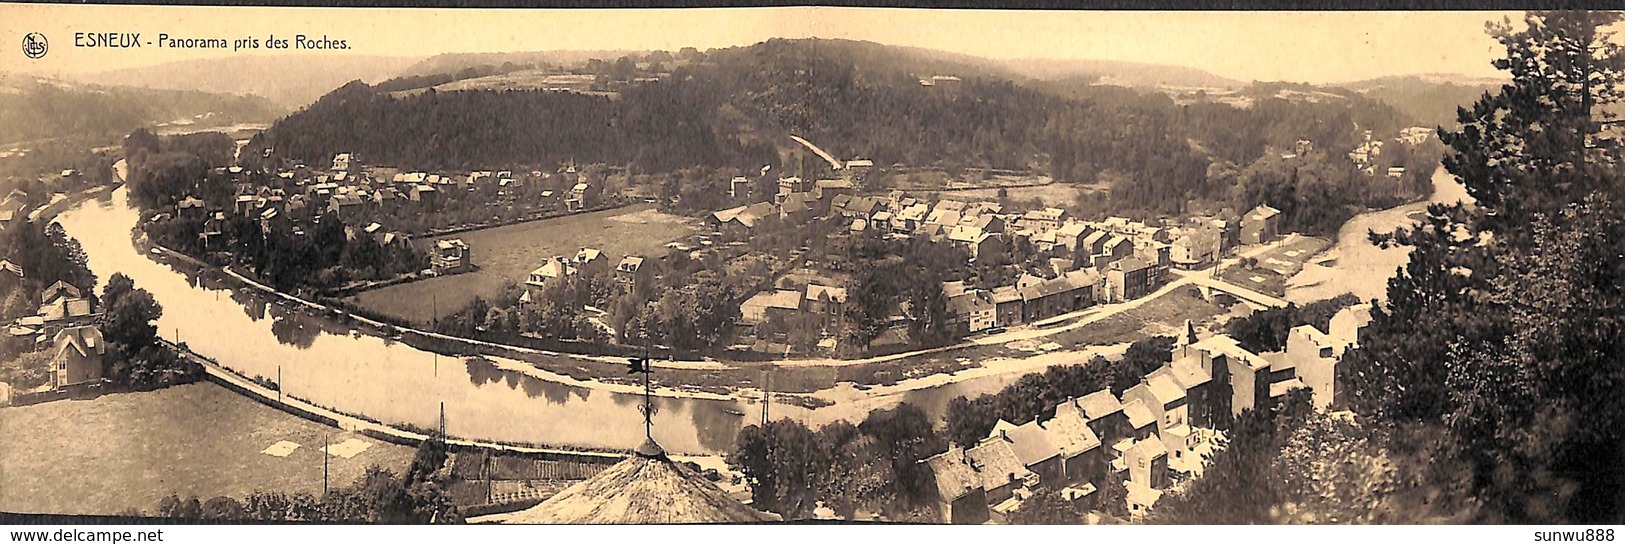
[781,462]
[1046,507]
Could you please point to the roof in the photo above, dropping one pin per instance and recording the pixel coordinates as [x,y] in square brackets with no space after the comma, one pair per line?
[1142,494]
[630,264]
[452,243]
[779,298]
[83,340]
[1031,443]
[1069,430]
[1189,372]
[1099,404]
[1280,388]
[1165,388]
[1150,448]
[955,478]
[587,255]
[825,292]
[57,289]
[996,462]
[1262,212]
[1138,414]
[11,267]
[1006,293]
[641,490]
[969,303]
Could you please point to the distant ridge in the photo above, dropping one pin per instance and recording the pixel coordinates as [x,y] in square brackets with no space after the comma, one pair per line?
[1127,74]
[290,81]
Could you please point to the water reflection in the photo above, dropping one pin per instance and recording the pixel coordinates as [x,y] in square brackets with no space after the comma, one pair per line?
[388,381]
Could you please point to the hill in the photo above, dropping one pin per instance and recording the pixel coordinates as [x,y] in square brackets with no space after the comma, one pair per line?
[34,108]
[289,81]
[1431,98]
[1126,74]
[736,107]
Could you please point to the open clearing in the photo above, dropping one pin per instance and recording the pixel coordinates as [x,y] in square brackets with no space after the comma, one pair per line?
[508,254]
[130,450]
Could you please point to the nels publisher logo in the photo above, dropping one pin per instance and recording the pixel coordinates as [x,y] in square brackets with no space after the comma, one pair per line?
[34,45]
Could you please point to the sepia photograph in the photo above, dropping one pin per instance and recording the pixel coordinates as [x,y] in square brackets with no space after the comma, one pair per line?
[809,265]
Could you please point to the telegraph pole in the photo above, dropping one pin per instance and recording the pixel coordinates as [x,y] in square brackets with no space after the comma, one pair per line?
[325,454]
[279,384]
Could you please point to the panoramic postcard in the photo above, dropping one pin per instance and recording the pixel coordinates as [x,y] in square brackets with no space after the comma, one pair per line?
[801,264]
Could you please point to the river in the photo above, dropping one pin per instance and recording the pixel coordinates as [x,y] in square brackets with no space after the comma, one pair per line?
[399,385]
[330,365]
[384,380]
[1355,265]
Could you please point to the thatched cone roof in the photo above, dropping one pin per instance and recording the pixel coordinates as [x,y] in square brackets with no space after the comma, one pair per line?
[643,489]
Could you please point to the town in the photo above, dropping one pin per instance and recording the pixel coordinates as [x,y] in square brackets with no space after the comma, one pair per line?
[816,279]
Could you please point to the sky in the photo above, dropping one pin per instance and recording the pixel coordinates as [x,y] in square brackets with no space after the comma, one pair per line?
[1312,47]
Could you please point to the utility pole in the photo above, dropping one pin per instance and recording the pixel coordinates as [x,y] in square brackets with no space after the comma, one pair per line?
[442,421]
[325,454]
[279,384]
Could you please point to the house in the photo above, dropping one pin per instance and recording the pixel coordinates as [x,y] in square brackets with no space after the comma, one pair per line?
[1033,446]
[343,162]
[1239,378]
[78,358]
[422,193]
[1082,457]
[1165,398]
[980,244]
[450,257]
[1071,236]
[767,305]
[1147,462]
[1197,248]
[960,492]
[910,218]
[61,305]
[791,185]
[1094,243]
[191,208]
[827,190]
[1105,416]
[1129,279]
[1068,293]
[1007,306]
[553,268]
[973,311]
[1116,247]
[576,199]
[1315,356]
[1141,498]
[1041,220]
[631,270]
[1261,225]
[798,208]
[590,261]
[826,302]
[1001,471]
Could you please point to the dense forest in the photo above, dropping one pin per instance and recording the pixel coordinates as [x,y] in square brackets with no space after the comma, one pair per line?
[733,108]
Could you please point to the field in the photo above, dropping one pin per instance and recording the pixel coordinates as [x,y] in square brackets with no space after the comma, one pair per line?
[1280,262]
[130,450]
[509,253]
